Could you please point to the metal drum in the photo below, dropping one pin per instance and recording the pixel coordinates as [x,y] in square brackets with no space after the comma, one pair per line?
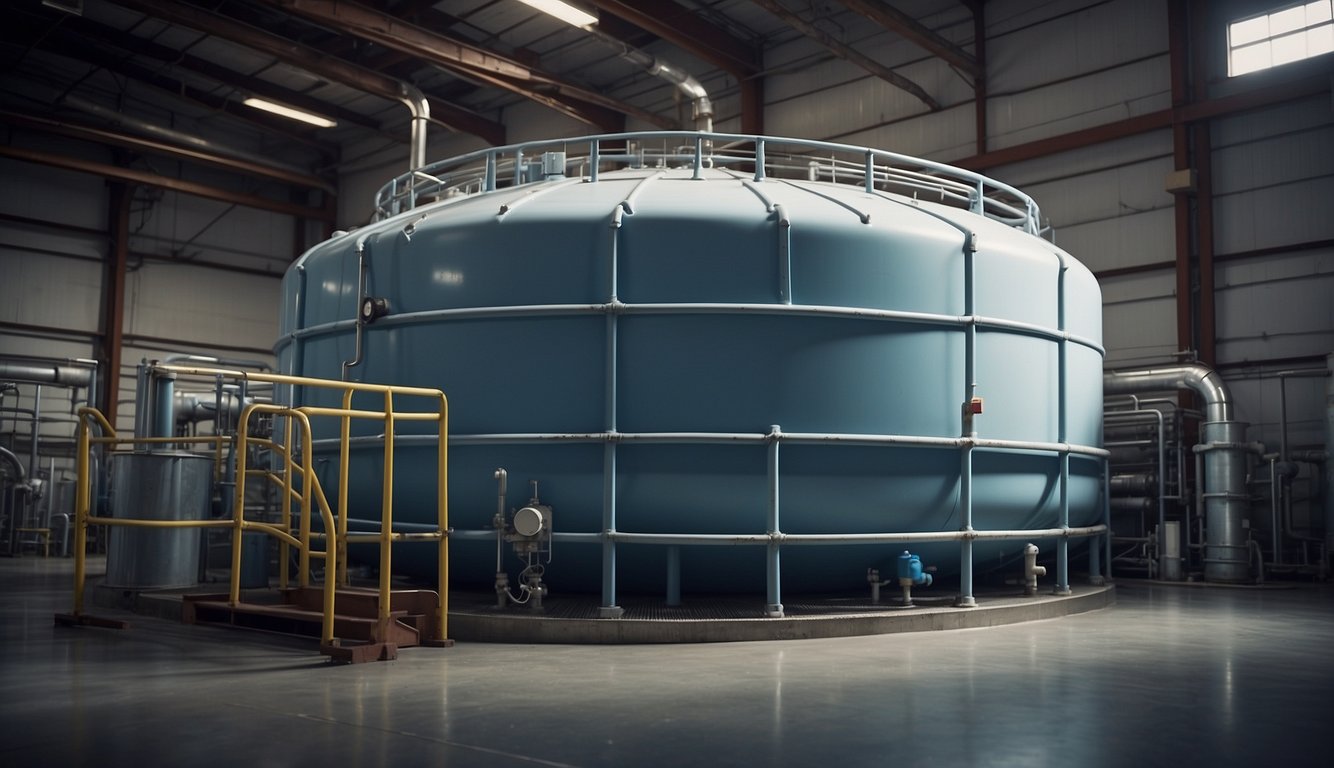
[640,340]
[157,486]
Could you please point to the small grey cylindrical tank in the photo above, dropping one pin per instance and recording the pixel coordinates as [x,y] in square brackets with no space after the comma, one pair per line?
[157,486]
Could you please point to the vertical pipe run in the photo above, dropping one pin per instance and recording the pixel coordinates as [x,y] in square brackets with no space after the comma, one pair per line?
[1226,558]
[164,401]
[774,608]
[968,427]
[1062,586]
[609,609]
[759,159]
[386,517]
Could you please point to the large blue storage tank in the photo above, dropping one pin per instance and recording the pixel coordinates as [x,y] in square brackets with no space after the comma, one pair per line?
[629,332]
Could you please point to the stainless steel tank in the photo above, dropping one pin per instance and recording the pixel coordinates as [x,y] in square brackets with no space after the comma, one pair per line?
[157,486]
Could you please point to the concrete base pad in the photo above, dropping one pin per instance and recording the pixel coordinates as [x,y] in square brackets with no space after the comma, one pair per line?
[573,619]
[578,619]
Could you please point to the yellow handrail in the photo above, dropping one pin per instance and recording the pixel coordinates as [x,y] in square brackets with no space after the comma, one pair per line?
[308,494]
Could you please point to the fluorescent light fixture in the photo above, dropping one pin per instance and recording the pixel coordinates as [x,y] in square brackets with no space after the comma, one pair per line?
[563,11]
[289,112]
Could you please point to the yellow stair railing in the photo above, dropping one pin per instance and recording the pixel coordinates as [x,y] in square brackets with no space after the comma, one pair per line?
[297,482]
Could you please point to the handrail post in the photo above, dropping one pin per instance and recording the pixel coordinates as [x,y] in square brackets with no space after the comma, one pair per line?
[442,507]
[81,503]
[238,504]
[386,514]
[344,458]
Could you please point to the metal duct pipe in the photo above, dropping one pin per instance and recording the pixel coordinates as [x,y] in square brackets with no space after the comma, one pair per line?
[412,96]
[1134,484]
[1223,448]
[46,372]
[1204,380]
[701,106]
[9,457]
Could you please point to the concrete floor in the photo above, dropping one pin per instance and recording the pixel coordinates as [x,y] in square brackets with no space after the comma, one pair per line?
[1170,676]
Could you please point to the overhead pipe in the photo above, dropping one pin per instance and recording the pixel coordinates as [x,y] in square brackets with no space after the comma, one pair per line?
[701,105]
[66,373]
[416,101]
[1223,450]
[8,456]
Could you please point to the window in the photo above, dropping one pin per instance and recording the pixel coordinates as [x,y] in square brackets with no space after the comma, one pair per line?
[1280,37]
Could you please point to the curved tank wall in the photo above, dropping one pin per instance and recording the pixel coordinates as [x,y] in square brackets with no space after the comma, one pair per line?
[687,312]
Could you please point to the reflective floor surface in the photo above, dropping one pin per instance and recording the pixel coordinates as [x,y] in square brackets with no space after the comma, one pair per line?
[1170,676]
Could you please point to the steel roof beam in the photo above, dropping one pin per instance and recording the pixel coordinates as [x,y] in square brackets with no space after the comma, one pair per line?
[910,29]
[120,173]
[469,61]
[76,130]
[846,52]
[313,61]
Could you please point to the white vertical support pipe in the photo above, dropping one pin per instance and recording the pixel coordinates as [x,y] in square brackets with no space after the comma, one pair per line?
[594,157]
[489,181]
[773,576]
[1062,586]
[759,159]
[968,427]
[609,609]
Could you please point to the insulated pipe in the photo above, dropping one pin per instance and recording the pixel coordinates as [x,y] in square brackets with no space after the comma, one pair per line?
[701,106]
[1202,379]
[9,457]
[62,373]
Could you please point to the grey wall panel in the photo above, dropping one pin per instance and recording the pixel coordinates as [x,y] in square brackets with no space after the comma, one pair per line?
[1031,44]
[1124,190]
[189,227]
[1276,307]
[1274,217]
[1104,97]
[41,290]
[198,306]
[1139,318]
[1122,241]
[1132,149]
[51,194]
[1299,155]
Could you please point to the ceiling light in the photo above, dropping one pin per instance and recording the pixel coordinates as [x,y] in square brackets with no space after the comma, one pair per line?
[563,11]
[289,112]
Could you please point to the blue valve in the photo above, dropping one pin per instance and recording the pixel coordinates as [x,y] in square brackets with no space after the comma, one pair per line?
[910,571]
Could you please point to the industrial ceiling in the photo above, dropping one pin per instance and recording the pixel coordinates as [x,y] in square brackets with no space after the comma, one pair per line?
[153,78]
